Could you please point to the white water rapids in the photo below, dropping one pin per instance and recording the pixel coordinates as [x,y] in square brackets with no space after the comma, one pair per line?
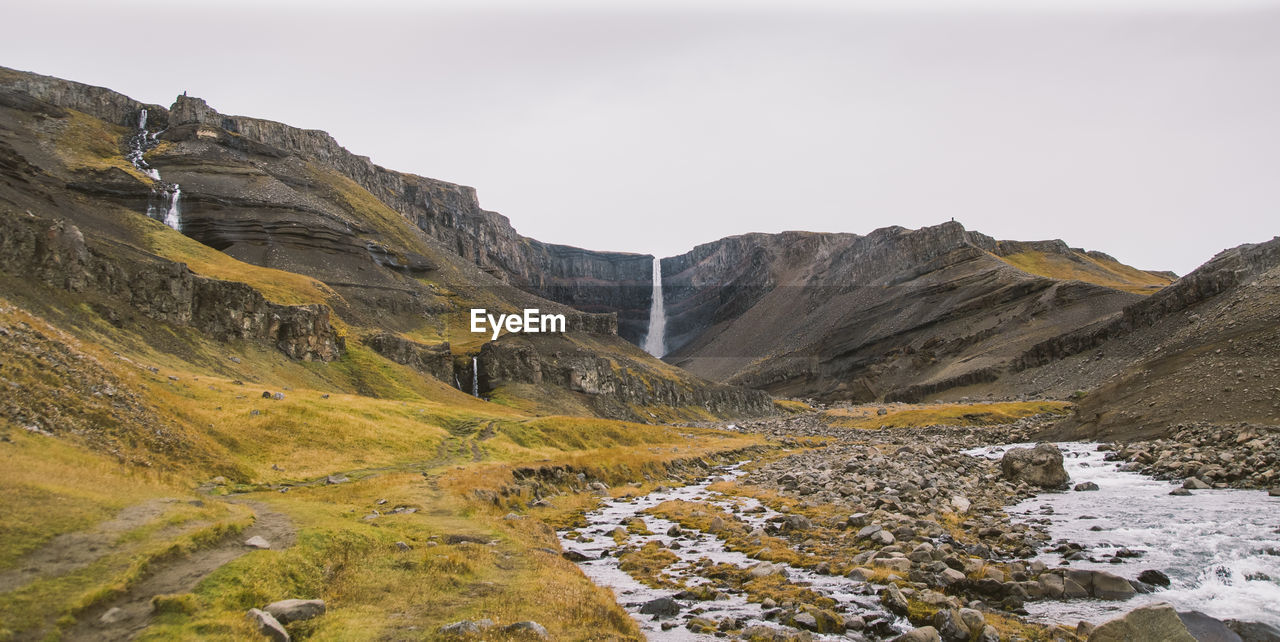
[859,598]
[1220,548]
[655,341]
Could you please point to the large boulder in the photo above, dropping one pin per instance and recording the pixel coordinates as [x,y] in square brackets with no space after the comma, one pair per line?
[287,611]
[1040,466]
[1148,623]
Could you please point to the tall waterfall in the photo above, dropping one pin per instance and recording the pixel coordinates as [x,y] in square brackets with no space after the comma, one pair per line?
[655,342]
[475,378]
[170,213]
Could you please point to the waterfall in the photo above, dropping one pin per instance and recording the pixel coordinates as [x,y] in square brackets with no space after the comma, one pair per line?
[173,217]
[475,378]
[655,342]
[171,213]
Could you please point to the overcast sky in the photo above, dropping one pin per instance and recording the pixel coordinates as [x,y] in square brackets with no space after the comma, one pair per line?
[1146,129]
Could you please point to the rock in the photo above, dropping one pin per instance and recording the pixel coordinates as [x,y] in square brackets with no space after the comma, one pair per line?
[806,621]
[1086,486]
[464,627]
[268,625]
[286,611]
[717,524]
[1111,587]
[1040,466]
[1207,629]
[278,396]
[401,546]
[1180,492]
[961,504]
[661,607]
[1151,622]
[527,628]
[950,626]
[922,634]
[574,556]
[113,615]
[257,542]
[1254,631]
[973,620]
[893,599]
[1154,578]
[1194,483]
[951,576]
[266,394]
[336,479]
[1274,491]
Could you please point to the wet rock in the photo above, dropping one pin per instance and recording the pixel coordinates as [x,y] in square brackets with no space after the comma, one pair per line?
[1111,587]
[950,626]
[1154,578]
[267,625]
[1207,629]
[1194,483]
[1254,631]
[661,607]
[286,611]
[1151,622]
[1086,486]
[893,599]
[527,628]
[1040,466]
[574,556]
[1180,492]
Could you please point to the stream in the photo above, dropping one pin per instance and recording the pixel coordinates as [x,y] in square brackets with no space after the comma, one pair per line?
[853,597]
[1220,548]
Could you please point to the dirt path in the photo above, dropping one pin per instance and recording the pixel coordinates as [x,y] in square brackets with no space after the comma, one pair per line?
[73,551]
[131,612]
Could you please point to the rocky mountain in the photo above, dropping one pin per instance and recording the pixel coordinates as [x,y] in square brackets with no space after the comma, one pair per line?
[289,240]
[896,314]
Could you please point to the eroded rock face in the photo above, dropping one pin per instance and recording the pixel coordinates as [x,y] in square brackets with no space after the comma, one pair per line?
[1040,466]
[434,360]
[57,253]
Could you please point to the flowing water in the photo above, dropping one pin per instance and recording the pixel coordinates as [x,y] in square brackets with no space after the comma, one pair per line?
[857,598]
[475,377]
[168,193]
[655,342]
[1220,548]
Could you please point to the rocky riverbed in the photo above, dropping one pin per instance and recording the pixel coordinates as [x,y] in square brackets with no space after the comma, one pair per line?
[873,534]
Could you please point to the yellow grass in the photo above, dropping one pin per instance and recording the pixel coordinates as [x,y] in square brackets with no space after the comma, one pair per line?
[1081,267]
[916,416]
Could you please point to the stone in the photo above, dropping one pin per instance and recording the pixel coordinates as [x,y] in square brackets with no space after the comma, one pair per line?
[336,479]
[1207,629]
[1274,491]
[1086,486]
[1107,586]
[661,607]
[806,621]
[113,615]
[574,556]
[893,599]
[464,627]
[527,628]
[922,634]
[1154,578]
[951,576]
[1194,483]
[950,626]
[1254,631]
[1180,492]
[1040,466]
[286,611]
[258,542]
[973,620]
[278,396]
[267,625]
[1151,622]
[961,504]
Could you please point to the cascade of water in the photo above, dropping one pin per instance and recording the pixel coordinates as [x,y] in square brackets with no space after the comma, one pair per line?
[655,342]
[475,378]
[173,217]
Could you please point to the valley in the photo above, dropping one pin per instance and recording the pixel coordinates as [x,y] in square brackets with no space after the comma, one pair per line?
[245,398]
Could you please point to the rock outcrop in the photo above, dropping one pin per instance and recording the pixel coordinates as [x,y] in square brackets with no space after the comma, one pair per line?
[434,360]
[58,254]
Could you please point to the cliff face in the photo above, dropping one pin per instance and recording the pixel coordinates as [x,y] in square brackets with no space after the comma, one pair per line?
[897,314]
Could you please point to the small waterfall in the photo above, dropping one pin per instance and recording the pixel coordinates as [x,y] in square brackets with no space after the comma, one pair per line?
[173,217]
[475,378]
[139,144]
[655,342]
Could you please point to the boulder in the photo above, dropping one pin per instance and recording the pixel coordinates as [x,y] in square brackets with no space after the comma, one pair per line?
[1151,622]
[661,607]
[1111,587]
[267,625]
[1086,486]
[1154,578]
[922,634]
[950,626]
[1254,631]
[1194,483]
[527,628]
[258,542]
[1207,629]
[287,611]
[1040,466]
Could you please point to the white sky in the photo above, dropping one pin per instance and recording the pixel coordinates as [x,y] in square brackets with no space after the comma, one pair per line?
[1146,129]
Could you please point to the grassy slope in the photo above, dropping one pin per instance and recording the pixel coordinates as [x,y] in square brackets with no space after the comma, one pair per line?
[977,414]
[1081,267]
